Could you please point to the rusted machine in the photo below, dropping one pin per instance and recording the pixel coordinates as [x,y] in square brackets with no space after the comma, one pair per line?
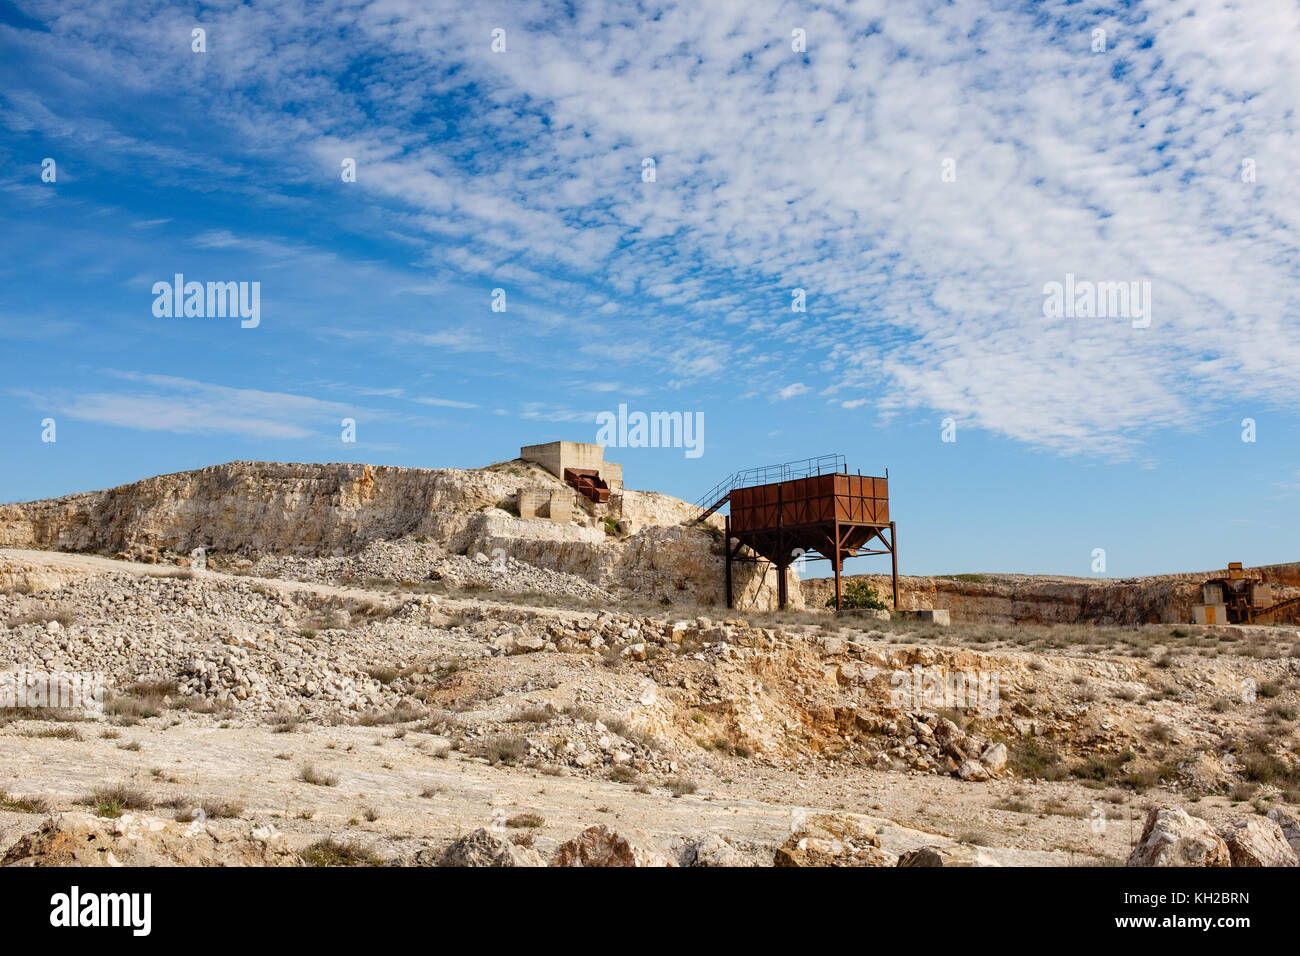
[588,483]
[1242,597]
[806,510]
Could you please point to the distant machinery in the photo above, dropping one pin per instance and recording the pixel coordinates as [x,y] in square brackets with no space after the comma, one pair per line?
[1242,597]
[785,512]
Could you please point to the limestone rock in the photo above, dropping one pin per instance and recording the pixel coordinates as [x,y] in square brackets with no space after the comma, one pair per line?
[834,839]
[960,854]
[601,846]
[83,839]
[1257,841]
[712,851]
[1290,827]
[482,848]
[1171,837]
[994,757]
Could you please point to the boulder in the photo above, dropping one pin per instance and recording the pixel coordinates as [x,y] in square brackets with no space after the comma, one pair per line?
[519,641]
[601,846]
[482,848]
[712,851]
[945,731]
[994,757]
[1257,841]
[83,839]
[1171,837]
[1290,827]
[960,854]
[834,839]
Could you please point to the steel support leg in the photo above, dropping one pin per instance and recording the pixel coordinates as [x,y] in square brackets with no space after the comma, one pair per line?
[893,557]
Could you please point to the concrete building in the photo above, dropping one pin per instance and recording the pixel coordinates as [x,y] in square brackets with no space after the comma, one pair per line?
[555,456]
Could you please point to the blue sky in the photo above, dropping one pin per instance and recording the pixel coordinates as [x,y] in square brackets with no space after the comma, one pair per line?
[775,169]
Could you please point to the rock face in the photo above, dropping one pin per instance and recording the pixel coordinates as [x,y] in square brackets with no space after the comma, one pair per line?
[834,839]
[254,509]
[482,848]
[1257,842]
[600,846]
[82,839]
[1171,837]
[1040,599]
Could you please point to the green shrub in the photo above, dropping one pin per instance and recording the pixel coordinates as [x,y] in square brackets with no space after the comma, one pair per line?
[859,595]
[331,852]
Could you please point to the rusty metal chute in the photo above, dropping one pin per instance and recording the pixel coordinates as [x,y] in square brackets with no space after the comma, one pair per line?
[588,483]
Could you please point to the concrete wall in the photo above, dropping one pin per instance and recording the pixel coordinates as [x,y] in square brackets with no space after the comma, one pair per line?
[534,503]
[553,503]
[1209,614]
[556,456]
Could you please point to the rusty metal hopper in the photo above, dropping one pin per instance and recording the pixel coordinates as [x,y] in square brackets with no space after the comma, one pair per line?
[805,509]
[588,483]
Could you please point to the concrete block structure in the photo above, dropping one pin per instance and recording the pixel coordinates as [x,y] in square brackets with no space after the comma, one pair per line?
[556,456]
[1209,614]
[553,503]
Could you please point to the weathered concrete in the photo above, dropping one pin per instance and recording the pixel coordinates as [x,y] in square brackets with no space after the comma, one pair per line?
[556,456]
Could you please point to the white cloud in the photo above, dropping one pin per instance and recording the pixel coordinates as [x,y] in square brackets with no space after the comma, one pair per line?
[444,402]
[777,171]
[184,406]
[792,390]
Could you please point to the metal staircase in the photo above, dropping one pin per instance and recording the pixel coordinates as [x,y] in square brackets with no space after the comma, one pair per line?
[720,493]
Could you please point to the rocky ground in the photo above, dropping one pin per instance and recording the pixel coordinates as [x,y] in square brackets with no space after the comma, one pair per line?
[380,707]
[421,563]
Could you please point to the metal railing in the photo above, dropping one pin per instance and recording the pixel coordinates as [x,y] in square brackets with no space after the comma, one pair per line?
[767,474]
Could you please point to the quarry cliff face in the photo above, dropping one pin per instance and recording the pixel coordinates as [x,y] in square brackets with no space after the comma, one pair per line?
[1042,599]
[252,509]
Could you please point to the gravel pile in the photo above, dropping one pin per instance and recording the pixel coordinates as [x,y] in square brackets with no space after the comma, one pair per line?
[409,561]
[230,645]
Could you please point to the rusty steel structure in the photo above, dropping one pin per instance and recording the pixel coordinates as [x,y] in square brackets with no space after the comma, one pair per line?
[805,510]
[588,483]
